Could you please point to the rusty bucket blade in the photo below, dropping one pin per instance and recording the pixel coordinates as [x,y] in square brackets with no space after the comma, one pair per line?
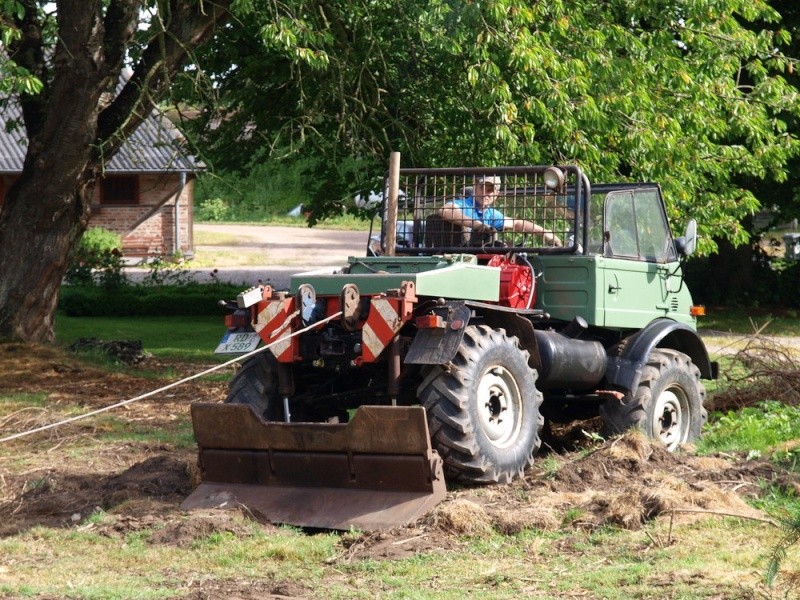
[375,472]
[328,508]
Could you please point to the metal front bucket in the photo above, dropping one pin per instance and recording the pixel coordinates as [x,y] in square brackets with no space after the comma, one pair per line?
[375,472]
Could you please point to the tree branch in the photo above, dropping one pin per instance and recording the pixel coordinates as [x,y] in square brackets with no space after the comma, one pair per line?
[119,25]
[188,24]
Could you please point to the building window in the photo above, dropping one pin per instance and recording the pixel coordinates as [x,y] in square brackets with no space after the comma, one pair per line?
[119,189]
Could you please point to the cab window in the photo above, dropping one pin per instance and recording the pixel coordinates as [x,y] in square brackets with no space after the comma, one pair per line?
[636,226]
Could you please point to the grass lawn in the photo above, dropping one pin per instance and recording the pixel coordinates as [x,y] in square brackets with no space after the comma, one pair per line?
[774,321]
[96,506]
[188,338]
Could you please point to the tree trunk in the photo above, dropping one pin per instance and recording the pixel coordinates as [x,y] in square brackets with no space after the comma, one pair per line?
[72,130]
[37,238]
[47,209]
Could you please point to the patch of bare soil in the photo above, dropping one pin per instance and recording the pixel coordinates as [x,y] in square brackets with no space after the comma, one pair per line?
[247,589]
[624,482]
[139,479]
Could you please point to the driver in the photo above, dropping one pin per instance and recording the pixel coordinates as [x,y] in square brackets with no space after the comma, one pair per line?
[476,213]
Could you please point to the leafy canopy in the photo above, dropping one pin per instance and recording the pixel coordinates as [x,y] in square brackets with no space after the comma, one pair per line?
[14,79]
[688,93]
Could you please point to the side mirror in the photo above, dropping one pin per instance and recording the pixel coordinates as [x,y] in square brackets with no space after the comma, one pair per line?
[687,243]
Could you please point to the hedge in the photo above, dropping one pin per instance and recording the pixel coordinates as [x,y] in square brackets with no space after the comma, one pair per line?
[137,300]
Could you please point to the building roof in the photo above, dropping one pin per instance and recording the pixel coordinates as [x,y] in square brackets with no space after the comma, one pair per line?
[156,146]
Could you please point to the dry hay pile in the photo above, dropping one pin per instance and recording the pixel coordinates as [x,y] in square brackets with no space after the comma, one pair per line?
[625,482]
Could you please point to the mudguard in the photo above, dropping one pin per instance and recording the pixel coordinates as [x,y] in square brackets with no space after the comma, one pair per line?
[438,345]
[625,369]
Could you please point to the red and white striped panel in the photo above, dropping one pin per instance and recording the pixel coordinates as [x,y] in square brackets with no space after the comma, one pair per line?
[383,322]
[273,321]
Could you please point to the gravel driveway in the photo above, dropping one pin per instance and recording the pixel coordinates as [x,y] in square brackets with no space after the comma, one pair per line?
[302,247]
[285,251]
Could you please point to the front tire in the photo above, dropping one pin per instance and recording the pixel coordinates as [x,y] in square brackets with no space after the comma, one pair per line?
[483,408]
[667,405]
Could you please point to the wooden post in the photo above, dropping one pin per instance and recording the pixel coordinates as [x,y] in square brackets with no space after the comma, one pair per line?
[390,227]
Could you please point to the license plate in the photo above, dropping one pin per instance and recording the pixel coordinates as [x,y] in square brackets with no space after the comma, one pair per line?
[238,343]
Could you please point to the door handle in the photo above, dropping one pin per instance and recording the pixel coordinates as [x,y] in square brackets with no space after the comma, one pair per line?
[614,286]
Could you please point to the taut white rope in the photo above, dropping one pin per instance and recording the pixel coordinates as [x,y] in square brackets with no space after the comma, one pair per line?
[167,387]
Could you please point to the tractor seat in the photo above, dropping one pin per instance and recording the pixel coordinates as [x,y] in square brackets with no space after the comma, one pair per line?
[441,233]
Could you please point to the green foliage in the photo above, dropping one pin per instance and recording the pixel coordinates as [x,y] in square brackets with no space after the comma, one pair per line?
[691,95]
[97,260]
[97,240]
[752,430]
[138,300]
[14,79]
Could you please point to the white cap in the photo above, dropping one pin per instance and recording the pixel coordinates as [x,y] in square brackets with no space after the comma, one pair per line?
[493,179]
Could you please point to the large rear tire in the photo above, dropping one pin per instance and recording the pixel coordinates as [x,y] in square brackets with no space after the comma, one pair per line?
[256,384]
[483,408]
[667,405]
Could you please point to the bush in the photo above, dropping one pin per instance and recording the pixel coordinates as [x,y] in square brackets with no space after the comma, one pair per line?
[269,189]
[97,260]
[193,299]
[271,186]
[212,209]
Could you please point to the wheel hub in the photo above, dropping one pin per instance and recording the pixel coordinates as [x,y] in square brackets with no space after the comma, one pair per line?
[670,425]
[499,406]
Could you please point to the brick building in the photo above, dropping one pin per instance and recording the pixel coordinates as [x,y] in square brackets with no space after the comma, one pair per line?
[146,195]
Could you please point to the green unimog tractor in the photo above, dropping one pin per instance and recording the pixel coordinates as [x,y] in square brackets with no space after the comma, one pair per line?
[441,352]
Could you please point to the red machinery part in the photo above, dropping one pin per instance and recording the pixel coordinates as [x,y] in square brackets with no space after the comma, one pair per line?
[517,283]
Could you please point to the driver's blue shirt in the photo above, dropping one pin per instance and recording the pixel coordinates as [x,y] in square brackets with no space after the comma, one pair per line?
[472,210]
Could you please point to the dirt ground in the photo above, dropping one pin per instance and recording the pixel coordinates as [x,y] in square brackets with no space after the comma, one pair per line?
[626,482]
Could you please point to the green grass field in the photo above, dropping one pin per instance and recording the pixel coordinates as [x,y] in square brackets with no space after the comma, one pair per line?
[187,338]
[138,545]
